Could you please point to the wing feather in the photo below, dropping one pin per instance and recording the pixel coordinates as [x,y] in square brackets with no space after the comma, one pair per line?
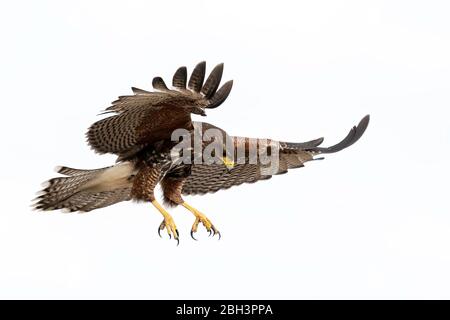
[180,78]
[213,81]
[147,116]
[220,95]
[211,178]
[197,77]
[159,84]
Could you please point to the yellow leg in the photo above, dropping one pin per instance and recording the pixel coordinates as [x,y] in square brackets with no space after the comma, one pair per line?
[167,223]
[200,217]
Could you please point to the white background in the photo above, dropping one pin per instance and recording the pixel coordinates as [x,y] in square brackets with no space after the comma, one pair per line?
[369,222]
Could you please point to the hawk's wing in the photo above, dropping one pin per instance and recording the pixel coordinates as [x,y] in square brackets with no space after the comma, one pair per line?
[211,178]
[147,117]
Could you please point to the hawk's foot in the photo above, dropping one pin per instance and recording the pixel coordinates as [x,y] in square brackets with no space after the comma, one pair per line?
[167,223]
[201,218]
[170,226]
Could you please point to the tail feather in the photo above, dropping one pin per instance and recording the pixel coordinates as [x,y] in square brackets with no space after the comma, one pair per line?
[86,190]
[85,201]
[58,189]
[67,171]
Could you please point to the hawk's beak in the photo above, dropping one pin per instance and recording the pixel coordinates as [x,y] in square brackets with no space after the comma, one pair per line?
[228,163]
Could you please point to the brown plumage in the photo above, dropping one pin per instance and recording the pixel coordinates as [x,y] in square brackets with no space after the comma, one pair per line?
[139,130]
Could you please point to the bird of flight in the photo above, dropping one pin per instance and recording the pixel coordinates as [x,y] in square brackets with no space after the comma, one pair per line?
[157,142]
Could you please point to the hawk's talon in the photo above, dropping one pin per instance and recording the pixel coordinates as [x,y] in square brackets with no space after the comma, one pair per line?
[161,227]
[214,231]
[169,224]
[200,218]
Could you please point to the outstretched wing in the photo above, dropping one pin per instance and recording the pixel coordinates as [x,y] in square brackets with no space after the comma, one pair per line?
[211,178]
[146,117]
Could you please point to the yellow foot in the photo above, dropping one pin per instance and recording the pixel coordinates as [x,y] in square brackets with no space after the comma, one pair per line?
[201,218]
[167,223]
[170,226]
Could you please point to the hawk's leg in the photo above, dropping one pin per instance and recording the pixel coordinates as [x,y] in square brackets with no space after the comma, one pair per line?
[143,189]
[172,187]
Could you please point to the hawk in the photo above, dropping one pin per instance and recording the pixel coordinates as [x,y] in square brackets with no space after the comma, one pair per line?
[157,142]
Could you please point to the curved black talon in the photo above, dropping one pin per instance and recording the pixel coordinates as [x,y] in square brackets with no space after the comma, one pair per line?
[159,231]
[170,236]
[192,235]
[161,227]
[220,236]
[210,233]
[177,237]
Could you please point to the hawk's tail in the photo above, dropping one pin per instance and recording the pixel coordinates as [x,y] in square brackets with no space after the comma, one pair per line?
[86,190]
